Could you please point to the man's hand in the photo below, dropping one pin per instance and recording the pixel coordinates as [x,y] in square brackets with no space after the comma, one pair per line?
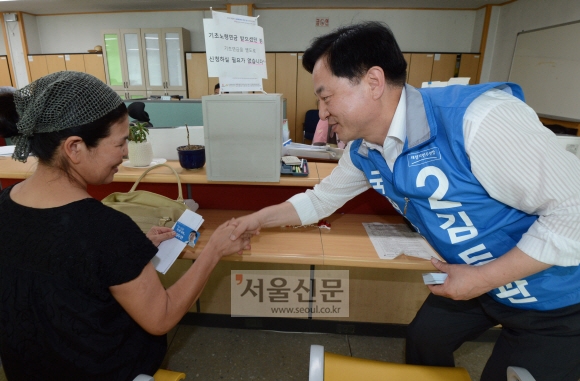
[462,283]
[249,224]
[158,234]
[467,282]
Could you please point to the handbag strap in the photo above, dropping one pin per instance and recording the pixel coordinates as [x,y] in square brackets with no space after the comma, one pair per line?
[179,192]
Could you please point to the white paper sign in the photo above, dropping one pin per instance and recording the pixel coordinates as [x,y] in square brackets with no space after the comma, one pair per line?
[234,46]
[222,17]
[240,84]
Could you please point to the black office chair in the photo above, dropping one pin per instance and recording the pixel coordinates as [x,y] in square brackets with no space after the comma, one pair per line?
[310,121]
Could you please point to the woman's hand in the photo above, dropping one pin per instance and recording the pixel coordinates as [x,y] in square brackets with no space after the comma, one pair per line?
[158,234]
[221,241]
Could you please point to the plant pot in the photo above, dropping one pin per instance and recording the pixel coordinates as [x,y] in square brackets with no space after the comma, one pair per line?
[191,157]
[140,154]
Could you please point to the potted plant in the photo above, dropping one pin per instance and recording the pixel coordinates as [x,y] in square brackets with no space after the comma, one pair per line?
[140,150]
[191,156]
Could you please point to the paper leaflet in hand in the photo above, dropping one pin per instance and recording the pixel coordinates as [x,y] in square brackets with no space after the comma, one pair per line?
[186,229]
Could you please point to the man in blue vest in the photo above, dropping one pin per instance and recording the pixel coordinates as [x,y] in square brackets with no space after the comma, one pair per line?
[476,173]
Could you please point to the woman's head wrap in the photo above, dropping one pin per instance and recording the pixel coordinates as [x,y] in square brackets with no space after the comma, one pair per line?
[59,101]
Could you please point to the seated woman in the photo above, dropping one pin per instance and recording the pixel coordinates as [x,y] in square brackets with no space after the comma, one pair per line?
[138,114]
[81,299]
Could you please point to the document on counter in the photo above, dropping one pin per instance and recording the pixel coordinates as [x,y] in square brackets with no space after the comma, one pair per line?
[392,240]
[186,229]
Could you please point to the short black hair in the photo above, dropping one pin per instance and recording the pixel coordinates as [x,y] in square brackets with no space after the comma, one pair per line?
[352,50]
[217,86]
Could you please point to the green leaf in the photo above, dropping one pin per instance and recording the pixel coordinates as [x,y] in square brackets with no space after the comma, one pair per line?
[138,132]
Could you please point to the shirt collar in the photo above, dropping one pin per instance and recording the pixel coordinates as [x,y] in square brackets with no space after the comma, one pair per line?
[398,128]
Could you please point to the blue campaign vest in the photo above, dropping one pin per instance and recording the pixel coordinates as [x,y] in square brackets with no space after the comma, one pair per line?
[433,187]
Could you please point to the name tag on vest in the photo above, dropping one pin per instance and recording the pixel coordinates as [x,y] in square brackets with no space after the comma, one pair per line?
[420,157]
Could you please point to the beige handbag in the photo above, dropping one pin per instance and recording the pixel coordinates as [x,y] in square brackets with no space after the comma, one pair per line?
[148,209]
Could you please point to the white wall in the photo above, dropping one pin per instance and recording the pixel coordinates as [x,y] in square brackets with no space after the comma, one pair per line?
[284,30]
[477,31]
[31,30]
[415,30]
[525,15]
[490,45]
[79,33]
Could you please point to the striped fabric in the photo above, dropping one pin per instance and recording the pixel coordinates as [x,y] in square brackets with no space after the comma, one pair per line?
[516,159]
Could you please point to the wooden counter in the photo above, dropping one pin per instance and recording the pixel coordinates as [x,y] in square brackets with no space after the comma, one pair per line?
[346,243]
[276,245]
[12,169]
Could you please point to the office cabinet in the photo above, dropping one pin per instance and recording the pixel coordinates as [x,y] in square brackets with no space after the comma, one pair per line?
[212,81]
[135,94]
[305,97]
[74,62]
[286,80]
[164,59]
[469,67]
[5,79]
[420,68]
[41,65]
[443,67]
[95,65]
[407,57]
[197,80]
[182,94]
[269,84]
[37,66]
[55,63]
[124,61]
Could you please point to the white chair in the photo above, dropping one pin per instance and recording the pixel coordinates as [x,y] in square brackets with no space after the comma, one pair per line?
[515,373]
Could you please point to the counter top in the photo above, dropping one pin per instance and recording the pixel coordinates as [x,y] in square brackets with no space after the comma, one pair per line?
[12,169]
[345,244]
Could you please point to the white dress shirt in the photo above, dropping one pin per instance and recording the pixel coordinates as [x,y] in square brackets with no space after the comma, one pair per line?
[514,157]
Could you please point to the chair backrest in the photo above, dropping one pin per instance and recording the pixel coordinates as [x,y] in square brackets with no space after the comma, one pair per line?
[345,368]
[310,121]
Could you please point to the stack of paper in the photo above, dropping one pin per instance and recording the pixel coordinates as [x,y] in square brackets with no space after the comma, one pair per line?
[434,278]
[392,240]
[186,229]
